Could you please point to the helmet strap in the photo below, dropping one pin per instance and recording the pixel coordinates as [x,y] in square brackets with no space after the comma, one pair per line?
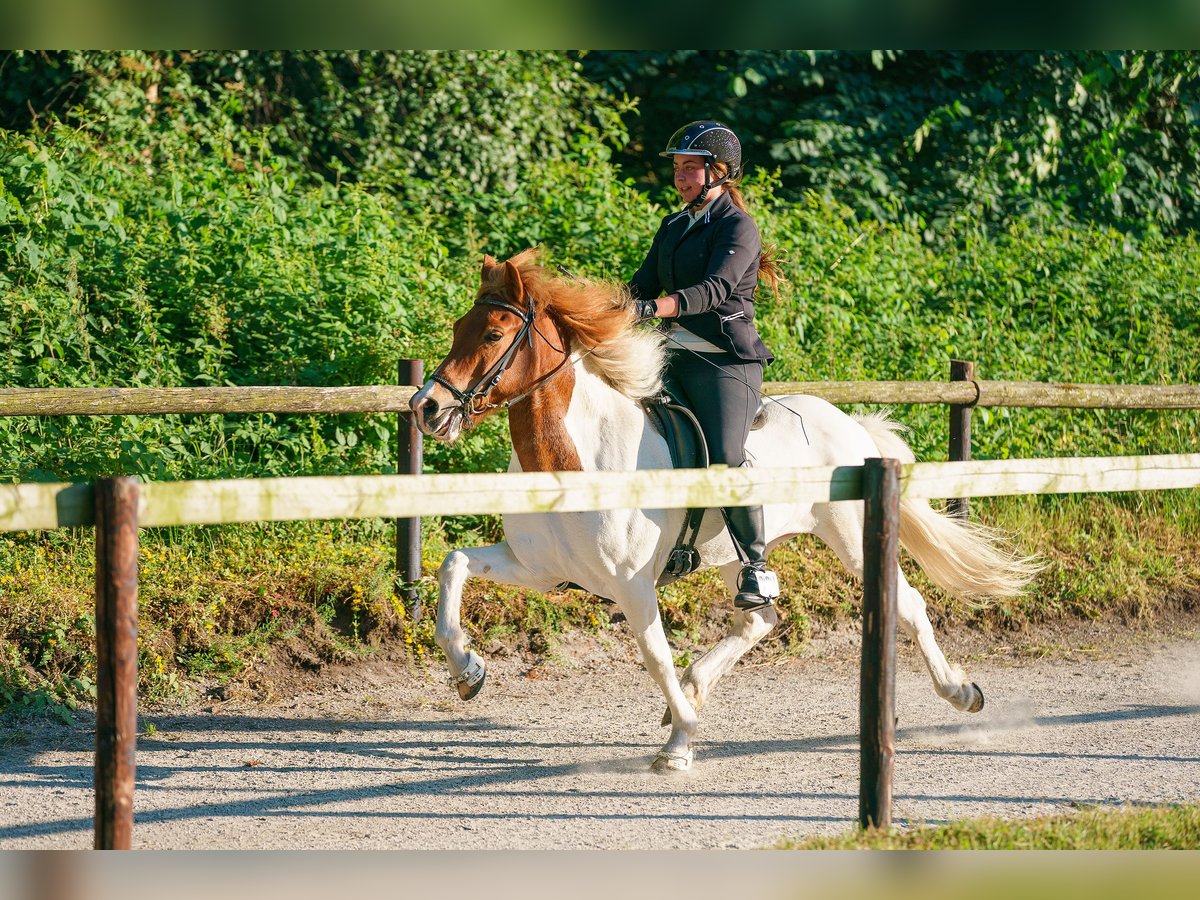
[708,185]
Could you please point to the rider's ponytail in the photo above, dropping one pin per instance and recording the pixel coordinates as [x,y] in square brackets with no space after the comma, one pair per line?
[769,269]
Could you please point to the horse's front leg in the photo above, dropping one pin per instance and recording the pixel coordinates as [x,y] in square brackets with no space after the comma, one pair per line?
[496,563]
[641,612]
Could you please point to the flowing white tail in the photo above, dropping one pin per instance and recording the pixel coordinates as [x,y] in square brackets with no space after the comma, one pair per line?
[963,558]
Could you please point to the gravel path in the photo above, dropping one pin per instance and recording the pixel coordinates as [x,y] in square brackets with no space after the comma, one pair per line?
[557,756]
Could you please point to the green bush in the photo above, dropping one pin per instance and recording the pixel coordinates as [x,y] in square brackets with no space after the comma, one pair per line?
[210,268]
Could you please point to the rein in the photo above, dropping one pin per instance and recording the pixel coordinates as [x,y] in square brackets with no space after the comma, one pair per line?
[474,400]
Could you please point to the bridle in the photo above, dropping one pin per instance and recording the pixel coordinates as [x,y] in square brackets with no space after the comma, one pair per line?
[474,400]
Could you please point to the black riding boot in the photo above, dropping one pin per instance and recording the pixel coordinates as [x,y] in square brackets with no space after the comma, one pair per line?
[757,585]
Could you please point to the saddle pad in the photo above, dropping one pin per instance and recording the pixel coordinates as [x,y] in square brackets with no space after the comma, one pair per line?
[678,426]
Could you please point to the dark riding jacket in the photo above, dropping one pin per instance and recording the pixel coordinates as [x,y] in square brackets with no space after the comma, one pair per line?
[713,269]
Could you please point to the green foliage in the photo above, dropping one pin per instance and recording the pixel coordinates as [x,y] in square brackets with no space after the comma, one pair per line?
[940,138]
[158,239]
[214,605]
[372,116]
[195,272]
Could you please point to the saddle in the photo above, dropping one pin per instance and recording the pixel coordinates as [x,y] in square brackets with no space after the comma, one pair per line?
[681,430]
[679,427]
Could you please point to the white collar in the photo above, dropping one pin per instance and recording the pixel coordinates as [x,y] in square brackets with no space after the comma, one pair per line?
[703,211]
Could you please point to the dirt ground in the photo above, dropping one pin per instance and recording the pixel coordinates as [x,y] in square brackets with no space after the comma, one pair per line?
[555,751]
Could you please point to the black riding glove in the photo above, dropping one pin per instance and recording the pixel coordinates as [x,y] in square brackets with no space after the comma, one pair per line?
[646,309]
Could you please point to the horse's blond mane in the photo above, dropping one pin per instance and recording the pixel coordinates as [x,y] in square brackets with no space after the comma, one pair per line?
[598,316]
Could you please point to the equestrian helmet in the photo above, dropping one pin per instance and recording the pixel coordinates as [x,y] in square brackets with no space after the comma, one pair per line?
[713,140]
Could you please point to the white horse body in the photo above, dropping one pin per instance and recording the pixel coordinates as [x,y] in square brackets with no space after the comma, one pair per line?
[619,554]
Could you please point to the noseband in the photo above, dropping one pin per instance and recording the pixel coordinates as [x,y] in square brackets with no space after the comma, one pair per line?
[474,400]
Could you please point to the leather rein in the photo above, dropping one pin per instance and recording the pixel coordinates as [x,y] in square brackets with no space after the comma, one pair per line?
[474,400]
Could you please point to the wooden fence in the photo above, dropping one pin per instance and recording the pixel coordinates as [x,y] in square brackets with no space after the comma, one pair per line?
[117,507]
[961,394]
[383,398]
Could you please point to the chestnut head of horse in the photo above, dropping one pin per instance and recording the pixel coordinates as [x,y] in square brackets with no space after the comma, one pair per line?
[518,342]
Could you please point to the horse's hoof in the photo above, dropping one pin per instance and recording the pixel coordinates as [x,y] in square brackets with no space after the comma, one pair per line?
[470,682]
[671,762]
[977,705]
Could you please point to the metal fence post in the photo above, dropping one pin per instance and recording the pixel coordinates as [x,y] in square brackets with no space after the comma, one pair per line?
[116,660]
[409,460]
[960,431]
[877,683]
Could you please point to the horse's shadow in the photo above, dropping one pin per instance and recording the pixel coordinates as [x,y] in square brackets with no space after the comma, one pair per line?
[471,754]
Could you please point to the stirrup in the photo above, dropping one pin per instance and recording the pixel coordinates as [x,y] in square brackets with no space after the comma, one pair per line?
[758,586]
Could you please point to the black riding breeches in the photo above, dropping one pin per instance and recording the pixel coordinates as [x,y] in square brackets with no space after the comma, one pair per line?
[723,391]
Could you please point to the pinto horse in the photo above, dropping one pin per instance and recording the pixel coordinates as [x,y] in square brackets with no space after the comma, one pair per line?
[566,360]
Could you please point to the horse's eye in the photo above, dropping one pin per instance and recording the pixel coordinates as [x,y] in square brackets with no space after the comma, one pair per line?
[492,336]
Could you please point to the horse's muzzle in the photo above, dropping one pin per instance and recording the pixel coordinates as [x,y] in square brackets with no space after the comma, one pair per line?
[433,419]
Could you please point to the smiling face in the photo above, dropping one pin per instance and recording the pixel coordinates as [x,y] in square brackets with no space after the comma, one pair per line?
[689,177]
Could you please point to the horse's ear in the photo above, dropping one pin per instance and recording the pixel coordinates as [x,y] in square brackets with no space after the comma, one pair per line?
[488,264]
[512,280]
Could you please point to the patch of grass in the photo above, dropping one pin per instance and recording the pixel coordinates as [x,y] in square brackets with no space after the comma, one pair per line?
[1127,828]
[14,737]
[1134,558]
[212,602]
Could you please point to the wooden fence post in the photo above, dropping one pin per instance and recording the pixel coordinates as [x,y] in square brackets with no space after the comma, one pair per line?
[116,660]
[877,685]
[960,431]
[410,457]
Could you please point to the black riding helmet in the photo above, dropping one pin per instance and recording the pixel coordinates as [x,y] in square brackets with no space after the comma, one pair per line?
[715,142]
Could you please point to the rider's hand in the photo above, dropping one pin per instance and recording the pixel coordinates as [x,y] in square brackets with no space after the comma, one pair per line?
[646,309]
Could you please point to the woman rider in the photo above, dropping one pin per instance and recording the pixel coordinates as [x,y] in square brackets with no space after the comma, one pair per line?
[700,275]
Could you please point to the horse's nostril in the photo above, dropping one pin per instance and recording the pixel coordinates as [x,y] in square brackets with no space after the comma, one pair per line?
[424,407]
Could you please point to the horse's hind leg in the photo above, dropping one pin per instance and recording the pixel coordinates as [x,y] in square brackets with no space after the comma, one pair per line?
[496,563]
[840,525]
[948,680]
[746,628]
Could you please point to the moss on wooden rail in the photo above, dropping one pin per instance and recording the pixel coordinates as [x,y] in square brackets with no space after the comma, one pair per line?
[1033,395]
[1074,475]
[842,392]
[397,496]
[30,507]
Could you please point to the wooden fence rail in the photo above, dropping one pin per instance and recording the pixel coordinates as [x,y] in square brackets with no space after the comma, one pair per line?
[383,398]
[218,501]
[962,393]
[374,398]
